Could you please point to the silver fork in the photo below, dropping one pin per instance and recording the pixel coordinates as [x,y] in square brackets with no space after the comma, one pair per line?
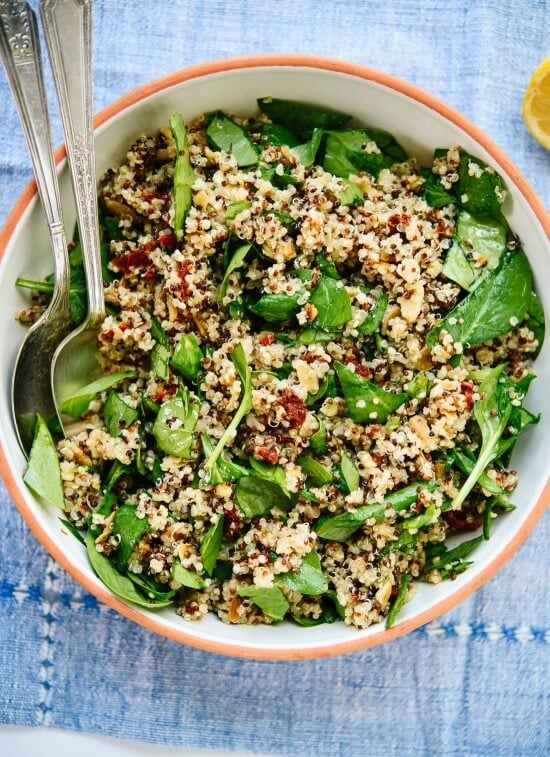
[68,29]
[20,52]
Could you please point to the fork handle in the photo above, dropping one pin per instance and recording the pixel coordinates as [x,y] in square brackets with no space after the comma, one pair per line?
[68,30]
[20,52]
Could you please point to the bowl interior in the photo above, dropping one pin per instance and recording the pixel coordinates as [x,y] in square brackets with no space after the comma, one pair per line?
[420,129]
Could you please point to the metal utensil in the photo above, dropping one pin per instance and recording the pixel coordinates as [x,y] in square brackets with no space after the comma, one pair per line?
[68,29]
[20,52]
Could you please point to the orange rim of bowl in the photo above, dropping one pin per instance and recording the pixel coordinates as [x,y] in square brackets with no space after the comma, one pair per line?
[228,648]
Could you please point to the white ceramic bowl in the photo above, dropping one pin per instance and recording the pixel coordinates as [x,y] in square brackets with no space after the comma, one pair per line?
[420,123]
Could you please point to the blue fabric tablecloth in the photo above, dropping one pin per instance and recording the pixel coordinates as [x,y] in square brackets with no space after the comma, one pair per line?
[476,682]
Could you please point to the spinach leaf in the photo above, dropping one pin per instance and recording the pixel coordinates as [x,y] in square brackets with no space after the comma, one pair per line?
[224,134]
[311,399]
[366,402]
[73,530]
[271,601]
[484,235]
[497,304]
[316,336]
[301,118]
[129,529]
[118,414]
[332,302]
[309,579]
[210,545]
[43,474]
[184,176]
[350,473]
[492,413]
[466,464]
[157,332]
[174,426]
[458,268]
[78,403]
[374,316]
[275,134]
[270,472]
[111,227]
[239,360]
[318,442]
[256,496]
[405,542]
[447,558]
[332,611]
[345,152]
[398,602]
[306,153]
[351,195]
[160,361]
[479,188]
[434,193]
[276,308]
[327,266]
[317,474]
[342,527]
[150,588]
[234,208]
[236,262]
[223,469]
[419,387]
[425,518]
[119,584]
[536,321]
[185,577]
[187,357]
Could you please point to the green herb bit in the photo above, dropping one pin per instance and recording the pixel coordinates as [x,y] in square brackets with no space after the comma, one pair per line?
[399,601]
[77,405]
[210,545]
[224,469]
[160,362]
[366,402]
[185,577]
[184,176]
[118,414]
[234,208]
[309,579]
[118,583]
[236,262]
[350,473]
[351,195]
[43,473]
[187,357]
[317,474]
[327,266]
[157,332]
[318,442]
[226,135]
[73,530]
[271,601]
[449,558]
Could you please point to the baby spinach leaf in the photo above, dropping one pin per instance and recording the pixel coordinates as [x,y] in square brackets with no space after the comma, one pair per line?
[236,262]
[466,465]
[116,472]
[309,579]
[73,530]
[174,426]
[316,336]
[271,601]
[43,474]
[160,361]
[129,529]
[119,584]
[318,442]
[276,308]
[425,518]
[238,357]
[484,235]
[311,399]
[351,195]
[492,413]
[447,558]
[256,496]
[327,266]
[419,387]
[458,268]
[150,588]
[184,176]
[187,357]
[210,545]
[366,402]
[434,193]
[497,304]
[224,134]
[398,602]
[374,316]
[157,332]
[275,134]
[78,403]
[479,188]
[284,218]
[332,302]
[342,527]
[185,577]
[306,153]
[118,414]
[536,321]
[350,473]
[317,474]
[223,469]
[405,542]
[234,208]
[301,118]
[270,472]
[345,152]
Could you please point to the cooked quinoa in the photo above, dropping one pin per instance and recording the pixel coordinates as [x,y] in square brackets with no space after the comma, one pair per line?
[358,263]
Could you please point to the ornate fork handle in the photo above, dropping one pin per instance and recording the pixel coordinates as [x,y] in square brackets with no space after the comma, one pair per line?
[67,26]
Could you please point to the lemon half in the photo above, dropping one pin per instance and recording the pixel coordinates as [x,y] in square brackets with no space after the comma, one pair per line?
[536,104]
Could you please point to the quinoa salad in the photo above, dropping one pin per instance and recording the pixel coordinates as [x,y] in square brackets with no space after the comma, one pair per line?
[315,361]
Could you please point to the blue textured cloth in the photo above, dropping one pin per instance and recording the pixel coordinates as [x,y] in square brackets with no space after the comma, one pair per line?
[476,682]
